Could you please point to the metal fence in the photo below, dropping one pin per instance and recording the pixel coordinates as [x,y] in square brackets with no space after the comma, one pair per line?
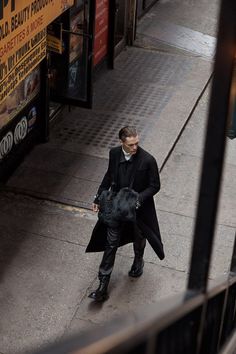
[188,323]
[201,320]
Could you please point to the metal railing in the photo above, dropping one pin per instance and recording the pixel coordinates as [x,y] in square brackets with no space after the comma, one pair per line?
[187,323]
[201,320]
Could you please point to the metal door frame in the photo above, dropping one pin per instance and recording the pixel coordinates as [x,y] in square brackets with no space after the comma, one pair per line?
[87,103]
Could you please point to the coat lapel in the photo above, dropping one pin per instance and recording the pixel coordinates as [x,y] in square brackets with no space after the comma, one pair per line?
[136,162]
[116,165]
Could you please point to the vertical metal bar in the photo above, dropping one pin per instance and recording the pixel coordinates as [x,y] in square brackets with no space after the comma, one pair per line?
[131,28]
[232,113]
[233,259]
[45,97]
[136,19]
[91,31]
[111,35]
[224,318]
[212,165]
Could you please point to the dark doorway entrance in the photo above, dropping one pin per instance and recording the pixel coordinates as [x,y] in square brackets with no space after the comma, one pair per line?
[120,25]
[70,71]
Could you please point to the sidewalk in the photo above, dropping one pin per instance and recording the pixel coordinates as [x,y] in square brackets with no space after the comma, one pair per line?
[152,88]
[45,273]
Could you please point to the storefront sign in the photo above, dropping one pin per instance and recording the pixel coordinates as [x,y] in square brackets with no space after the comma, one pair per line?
[23,37]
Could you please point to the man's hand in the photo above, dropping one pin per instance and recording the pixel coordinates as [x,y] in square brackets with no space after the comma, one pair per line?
[95,207]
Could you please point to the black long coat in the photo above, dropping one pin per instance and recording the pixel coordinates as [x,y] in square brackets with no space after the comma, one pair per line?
[146,182]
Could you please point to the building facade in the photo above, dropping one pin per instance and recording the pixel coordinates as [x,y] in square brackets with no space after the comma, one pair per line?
[49,51]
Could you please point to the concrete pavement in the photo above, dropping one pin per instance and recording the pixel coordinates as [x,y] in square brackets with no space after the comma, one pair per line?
[45,273]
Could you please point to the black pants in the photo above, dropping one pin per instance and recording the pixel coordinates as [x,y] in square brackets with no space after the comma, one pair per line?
[112,243]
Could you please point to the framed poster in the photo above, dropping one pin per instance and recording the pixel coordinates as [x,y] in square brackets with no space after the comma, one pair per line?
[76,40]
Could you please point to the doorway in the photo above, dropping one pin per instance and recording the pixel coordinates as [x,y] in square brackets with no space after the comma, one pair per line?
[70,65]
[120,25]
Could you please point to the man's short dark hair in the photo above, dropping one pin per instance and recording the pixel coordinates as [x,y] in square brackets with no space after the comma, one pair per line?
[127,132]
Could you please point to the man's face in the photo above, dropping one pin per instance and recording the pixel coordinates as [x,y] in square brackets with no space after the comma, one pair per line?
[130,145]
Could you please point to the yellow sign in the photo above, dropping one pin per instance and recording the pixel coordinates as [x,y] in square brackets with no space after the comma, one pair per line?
[54,44]
[54,38]
[23,37]
[35,51]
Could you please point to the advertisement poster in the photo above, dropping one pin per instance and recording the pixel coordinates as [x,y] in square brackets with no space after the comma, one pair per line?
[76,41]
[20,97]
[23,37]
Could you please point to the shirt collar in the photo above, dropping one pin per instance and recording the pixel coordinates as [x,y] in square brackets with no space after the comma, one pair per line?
[127,155]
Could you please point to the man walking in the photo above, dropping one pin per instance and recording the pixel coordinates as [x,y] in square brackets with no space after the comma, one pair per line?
[129,165]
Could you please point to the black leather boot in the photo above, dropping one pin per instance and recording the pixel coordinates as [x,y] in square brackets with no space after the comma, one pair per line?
[137,268]
[101,294]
